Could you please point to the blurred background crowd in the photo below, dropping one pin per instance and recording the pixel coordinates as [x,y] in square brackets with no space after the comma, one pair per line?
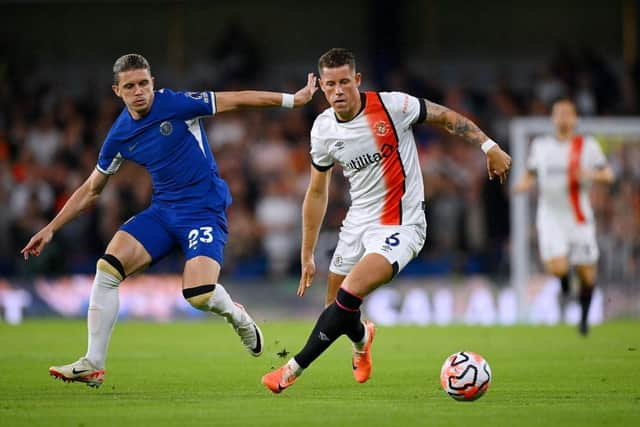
[53,122]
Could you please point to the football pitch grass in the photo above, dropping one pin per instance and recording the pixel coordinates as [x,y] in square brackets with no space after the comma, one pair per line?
[198,374]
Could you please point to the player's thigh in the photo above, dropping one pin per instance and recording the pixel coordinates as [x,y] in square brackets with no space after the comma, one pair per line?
[368,274]
[201,234]
[200,270]
[334,281]
[558,266]
[553,241]
[129,251]
[142,240]
[398,244]
[388,249]
[583,245]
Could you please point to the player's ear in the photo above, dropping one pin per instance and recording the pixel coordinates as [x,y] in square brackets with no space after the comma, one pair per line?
[322,83]
[116,90]
[358,79]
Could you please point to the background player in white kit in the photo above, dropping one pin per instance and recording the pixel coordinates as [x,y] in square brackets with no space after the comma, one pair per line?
[565,165]
[370,135]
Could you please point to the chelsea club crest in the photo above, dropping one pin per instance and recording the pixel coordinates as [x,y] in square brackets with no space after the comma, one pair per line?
[166,128]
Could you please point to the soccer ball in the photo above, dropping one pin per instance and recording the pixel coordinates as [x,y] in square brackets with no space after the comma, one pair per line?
[465,376]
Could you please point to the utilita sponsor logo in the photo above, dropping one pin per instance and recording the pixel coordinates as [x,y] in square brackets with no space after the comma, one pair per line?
[365,160]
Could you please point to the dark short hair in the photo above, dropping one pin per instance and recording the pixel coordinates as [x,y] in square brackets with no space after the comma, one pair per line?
[337,57]
[130,61]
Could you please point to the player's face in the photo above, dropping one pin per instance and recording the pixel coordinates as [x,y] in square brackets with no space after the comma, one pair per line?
[135,87]
[340,86]
[564,117]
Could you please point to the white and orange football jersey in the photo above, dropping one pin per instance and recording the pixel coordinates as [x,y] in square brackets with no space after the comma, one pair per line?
[557,164]
[378,155]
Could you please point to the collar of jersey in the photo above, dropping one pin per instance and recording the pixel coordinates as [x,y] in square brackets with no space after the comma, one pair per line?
[363,104]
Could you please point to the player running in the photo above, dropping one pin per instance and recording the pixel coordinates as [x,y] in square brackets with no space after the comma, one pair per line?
[565,165]
[162,131]
[370,135]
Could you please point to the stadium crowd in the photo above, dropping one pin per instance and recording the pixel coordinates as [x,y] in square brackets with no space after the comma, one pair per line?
[49,141]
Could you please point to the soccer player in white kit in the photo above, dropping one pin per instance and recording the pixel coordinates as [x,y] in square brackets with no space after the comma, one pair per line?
[565,165]
[370,135]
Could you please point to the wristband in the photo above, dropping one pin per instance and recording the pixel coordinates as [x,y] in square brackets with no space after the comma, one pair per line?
[287,100]
[487,145]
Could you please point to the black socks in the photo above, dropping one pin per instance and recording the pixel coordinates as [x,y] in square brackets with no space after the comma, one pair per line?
[564,285]
[340,318]
[586,292]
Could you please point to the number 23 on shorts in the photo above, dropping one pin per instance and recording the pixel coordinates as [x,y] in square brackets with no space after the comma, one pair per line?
[202,234]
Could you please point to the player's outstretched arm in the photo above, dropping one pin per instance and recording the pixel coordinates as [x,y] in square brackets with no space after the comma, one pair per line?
[230,101]
[314,208]
[81,199]
[603,175]
[525,183]
[498,162]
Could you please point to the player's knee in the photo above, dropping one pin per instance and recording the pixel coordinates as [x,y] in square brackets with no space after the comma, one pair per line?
[558,267]
[111,265]
[200,296]
[587,276]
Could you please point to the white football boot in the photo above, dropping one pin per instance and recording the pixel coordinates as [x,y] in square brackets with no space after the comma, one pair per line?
[79,371]
[249,333]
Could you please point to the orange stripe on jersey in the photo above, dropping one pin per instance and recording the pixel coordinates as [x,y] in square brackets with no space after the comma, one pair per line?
[384,134]
[575,153]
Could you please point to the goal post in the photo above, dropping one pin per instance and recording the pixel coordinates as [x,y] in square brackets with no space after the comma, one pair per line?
[521,131]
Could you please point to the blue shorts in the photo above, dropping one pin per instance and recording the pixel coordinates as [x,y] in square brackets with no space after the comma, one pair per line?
[197,231]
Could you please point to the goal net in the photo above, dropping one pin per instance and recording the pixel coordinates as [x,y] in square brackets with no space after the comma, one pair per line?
[617,211]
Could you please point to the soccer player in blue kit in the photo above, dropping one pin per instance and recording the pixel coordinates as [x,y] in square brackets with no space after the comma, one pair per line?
[162,131]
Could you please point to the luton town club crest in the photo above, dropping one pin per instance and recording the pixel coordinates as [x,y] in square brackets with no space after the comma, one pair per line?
[381,128]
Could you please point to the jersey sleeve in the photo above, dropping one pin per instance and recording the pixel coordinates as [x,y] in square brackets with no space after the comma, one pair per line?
[109,159]
[405,110]
[189,105]
[533,161]
[320,157]
[595,158]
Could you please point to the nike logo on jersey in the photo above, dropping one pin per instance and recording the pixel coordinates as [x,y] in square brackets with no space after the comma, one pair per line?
[133,147]
[76,372]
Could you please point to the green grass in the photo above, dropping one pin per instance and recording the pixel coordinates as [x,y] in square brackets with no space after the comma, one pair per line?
[198,374]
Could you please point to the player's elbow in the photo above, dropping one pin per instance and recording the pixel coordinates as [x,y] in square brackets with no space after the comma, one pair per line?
[316,193]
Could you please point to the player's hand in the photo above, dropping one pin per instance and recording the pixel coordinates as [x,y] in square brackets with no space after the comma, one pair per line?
[587,175]
[521,187]
[306,278]
[305,94]
[37,242]
[498,164]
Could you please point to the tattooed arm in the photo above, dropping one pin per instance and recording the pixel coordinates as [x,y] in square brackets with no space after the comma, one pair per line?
[454,123]
[498,162]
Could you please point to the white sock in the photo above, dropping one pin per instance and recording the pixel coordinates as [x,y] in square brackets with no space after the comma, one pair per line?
[222,304]
[295,368]
[101,317]
[360,344]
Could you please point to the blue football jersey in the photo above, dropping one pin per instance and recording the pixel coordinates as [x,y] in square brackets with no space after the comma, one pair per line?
[171,143]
